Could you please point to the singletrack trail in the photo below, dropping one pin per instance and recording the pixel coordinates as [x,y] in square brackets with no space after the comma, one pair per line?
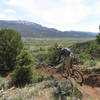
[90,90]
[90,93]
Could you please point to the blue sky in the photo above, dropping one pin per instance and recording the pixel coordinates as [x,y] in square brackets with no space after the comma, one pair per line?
[81,15]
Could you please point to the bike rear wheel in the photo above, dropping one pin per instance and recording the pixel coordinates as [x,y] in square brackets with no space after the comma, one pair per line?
[78,77]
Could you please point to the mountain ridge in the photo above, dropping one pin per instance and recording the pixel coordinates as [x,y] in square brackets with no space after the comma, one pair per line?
[31,29]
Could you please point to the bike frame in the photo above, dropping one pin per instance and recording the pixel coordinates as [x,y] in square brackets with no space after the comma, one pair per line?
[69,69]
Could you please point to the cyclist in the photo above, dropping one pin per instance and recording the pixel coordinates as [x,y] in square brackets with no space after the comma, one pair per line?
[68,62]
[67,54]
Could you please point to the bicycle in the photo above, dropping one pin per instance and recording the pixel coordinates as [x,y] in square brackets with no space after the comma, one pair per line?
[73,72]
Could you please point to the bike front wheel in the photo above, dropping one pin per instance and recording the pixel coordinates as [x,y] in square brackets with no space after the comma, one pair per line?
[77,75]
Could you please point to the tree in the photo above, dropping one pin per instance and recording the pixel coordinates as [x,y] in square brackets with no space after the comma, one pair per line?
[98,38]
[10,47]
[53,55]
[24,58]
[22,74]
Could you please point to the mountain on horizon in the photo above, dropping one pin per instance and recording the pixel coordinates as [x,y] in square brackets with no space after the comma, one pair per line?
[30,29]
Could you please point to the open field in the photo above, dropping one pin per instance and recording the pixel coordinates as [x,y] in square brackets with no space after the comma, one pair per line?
[38,42]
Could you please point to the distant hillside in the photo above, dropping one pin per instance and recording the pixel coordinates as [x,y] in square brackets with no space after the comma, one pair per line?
[90,47]
[30,29]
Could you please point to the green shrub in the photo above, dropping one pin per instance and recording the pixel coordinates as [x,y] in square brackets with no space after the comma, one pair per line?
[1,80]
[91,63]
[49,57]
[41,58]
[53,55]
[22,75]
[37,78]
[50,82]
[98,38]
[42,49]
[10,46]
[91,48]
[82,57]
[24,58]
[62,88]
[77,93]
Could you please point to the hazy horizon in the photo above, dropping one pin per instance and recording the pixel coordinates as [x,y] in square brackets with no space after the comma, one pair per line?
[50,27]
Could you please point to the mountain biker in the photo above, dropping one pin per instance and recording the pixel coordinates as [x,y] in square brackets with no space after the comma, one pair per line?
[68,65]
[67,54]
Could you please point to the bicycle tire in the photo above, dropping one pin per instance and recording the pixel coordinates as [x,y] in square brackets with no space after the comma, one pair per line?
[76,75]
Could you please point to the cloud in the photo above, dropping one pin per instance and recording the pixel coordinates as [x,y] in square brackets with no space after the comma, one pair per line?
[60,14]
[5,17]
[2,15]
[88,27]
[96,8]
[9,11]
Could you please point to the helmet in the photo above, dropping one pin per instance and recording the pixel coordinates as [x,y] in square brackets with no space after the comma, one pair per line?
[60,46]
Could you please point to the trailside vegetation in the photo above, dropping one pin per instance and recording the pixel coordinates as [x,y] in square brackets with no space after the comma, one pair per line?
[10,47]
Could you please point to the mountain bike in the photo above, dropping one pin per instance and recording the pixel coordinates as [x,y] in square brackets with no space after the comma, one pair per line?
[73,73]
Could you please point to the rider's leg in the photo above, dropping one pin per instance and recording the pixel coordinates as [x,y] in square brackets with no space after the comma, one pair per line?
[70,64]
[67,63]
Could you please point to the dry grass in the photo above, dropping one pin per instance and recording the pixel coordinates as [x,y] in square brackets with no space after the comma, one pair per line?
[35,92]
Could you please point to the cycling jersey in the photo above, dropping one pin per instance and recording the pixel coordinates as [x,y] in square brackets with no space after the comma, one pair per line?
[65,52]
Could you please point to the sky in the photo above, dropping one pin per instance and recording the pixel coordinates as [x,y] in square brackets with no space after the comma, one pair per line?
[80,15]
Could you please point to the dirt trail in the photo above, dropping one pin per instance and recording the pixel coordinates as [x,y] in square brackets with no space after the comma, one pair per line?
[89,92]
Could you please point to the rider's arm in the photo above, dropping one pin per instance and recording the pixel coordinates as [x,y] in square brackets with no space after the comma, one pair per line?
[59,58]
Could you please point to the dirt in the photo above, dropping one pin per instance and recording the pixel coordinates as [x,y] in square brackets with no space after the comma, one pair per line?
[90,88]
[92,78]
[49,72]
[90,93]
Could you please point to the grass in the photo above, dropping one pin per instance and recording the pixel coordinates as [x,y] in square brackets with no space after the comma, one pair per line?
[1,80]
[20,94]
[45,42]
[86,66]
[32,92]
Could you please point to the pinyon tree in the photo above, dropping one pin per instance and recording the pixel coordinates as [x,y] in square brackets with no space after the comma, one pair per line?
[10,47]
